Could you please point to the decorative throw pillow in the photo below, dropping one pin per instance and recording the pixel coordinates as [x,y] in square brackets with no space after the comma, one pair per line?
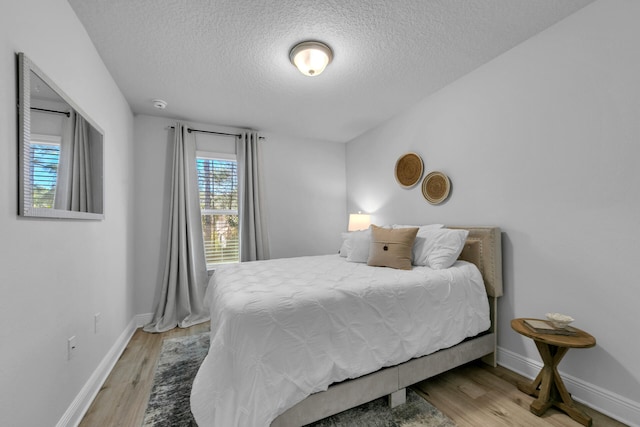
[391,247]
[357,245]
[419,240]
[439,249]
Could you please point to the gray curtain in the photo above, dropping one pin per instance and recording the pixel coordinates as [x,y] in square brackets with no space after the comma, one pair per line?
[254,242]
[180,300]
[73,188]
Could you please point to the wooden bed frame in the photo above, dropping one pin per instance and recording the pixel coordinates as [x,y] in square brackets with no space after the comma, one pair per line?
[484,249]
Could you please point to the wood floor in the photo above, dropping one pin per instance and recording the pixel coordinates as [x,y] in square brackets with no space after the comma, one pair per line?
[123,398]
[479,395]
[473,395]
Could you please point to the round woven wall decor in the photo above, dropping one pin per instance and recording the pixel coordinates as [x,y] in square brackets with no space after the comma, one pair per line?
[435,187]
[409,168]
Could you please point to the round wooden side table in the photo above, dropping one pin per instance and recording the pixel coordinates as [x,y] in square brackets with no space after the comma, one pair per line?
[548,387]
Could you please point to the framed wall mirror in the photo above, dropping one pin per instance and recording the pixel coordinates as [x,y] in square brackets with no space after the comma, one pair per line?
[60,151]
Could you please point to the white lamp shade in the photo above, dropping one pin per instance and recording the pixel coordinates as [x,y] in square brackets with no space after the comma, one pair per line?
[311,58]
[359,222]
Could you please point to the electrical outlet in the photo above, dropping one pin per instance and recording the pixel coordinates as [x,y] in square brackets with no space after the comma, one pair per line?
[72,347]
[96,323]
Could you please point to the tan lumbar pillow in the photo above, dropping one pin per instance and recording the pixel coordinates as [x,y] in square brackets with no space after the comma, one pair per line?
[391,247]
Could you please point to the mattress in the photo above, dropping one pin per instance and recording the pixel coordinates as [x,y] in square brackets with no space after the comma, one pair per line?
[284,329]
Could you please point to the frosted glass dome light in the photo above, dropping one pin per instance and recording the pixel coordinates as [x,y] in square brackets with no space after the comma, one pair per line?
[311,57]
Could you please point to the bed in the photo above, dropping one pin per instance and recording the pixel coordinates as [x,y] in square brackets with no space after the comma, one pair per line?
[296,340]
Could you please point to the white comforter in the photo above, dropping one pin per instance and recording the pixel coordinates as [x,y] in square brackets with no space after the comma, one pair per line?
[286,328]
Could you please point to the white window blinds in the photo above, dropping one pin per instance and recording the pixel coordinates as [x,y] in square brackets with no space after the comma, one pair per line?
[44,158]
[218,192]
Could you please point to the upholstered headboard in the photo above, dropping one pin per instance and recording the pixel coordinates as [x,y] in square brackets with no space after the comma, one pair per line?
[484,249]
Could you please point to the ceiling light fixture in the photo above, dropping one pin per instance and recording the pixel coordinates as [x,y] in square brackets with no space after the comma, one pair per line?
[311,57]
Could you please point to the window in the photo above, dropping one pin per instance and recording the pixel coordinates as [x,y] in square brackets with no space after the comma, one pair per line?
[45,158]
[218,192]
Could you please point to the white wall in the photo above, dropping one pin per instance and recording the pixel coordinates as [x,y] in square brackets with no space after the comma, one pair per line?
[55,274]
[305,196]
[544,142]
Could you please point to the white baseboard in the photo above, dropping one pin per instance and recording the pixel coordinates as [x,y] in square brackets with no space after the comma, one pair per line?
[604,401]
[80,405]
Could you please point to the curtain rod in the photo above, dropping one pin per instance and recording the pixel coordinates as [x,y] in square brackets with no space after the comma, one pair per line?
[215,133]
[66,113]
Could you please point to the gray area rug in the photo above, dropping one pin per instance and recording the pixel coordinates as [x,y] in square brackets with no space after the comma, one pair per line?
[181,357]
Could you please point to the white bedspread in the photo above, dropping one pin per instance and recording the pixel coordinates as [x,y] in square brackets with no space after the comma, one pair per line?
[286,328]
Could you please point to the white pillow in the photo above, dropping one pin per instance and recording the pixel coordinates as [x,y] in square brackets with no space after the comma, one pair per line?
[357,245]
[343,247]
[439,248]
[421,229]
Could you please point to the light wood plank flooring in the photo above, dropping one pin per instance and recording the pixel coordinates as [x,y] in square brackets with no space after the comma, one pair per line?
[479,395]
[473,395]
[123,398]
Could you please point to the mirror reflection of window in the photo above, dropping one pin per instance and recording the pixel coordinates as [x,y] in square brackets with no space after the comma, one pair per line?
[61,151]
[49,136]
[45,159]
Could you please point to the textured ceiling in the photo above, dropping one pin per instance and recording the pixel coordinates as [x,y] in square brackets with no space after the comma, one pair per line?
[226,61]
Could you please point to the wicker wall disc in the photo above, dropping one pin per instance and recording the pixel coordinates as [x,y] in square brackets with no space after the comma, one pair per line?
[435,187]
[409,168]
